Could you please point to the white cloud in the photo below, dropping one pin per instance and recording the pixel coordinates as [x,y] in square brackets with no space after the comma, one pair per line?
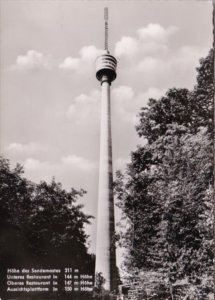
[126,46]
[149,64]
[30,148]
[152,56]
[71,166]
[123,93]
[152,38]
[123,103]
[187,57]
[70,63]
[34,164]
[85,107]
[127,103]
[152,92]
[155,32]
[84,62]
[89,53]
[175,65]
[78,162]
[32,60]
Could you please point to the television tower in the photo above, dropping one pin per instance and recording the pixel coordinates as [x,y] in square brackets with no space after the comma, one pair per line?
[105,245]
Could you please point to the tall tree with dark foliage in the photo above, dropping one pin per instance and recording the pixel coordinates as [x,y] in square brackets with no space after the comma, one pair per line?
[40,224]
[166,193]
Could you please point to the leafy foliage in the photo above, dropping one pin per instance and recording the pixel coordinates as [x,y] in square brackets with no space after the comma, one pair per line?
[40,223]
[166,193]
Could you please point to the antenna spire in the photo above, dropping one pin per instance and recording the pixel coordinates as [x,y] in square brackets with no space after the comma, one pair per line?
[106,28]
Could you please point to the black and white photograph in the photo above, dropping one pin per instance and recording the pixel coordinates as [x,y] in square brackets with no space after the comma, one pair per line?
[106,150]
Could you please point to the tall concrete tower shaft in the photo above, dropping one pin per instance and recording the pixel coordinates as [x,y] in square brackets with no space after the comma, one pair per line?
[105,246]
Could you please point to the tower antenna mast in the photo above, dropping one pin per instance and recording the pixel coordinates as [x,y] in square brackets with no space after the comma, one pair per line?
[106,28]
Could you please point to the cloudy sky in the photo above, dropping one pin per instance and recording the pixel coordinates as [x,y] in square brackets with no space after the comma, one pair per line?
[50,98]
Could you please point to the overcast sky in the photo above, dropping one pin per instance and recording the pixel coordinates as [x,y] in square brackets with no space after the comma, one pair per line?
[50,98]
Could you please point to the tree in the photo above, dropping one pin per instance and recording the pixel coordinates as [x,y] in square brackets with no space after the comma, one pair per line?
[15,203]
[174,107]
[58,225]
[166,191]
[41,224]
[189,108]
[204,92]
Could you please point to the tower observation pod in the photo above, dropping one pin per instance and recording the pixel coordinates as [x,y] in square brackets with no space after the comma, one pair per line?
[105,246]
